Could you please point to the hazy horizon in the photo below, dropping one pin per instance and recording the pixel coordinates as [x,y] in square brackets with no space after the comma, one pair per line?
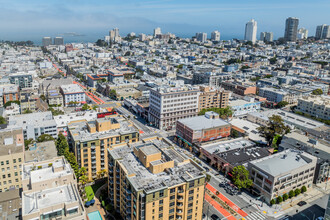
[33,19]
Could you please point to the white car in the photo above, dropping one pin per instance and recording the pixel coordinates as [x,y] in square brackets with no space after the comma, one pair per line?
[320,218]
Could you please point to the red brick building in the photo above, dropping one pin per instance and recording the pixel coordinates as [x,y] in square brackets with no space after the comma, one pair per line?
[202,128]
[240,88]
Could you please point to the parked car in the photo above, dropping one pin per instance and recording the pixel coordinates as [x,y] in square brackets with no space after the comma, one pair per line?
[301,203]
[215,217]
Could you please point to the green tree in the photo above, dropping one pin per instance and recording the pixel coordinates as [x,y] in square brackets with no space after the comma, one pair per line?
[113,94]
[282,104]
[317,92]
[85,107]
[95,107]
[241,177]
[27,111]
[10,102]
[303,189]
[28,142]
[279,199]
[43,97]
[45,137]
[272,202]
[291,194]
[275,126]
[82,171]
[297,191]
[2,120]
[285,197]
[273,60]
[61,144]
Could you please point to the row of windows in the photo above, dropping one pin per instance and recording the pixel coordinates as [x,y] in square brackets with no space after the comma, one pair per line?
[7,161]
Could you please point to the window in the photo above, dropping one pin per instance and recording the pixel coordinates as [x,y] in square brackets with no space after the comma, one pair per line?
[191,198]
[161,202]
[14,160]
[191,191]
[2,163]
[172,204]
[171,211]
[189,211]
[161,208]
[161,193]
[161,215]
[7,162]
[191,184]
[16,174]
[172,197]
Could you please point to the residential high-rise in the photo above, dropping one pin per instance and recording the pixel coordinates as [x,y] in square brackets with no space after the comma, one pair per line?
[169,104]
[152,180]
[251,31]
[302,34]
[215,36]
[157,31]
[266,36]
[11,158]
[46,41]
[201,37]
[269,37]
[114,35]
[58,41]
[322,31]
[212,98]
[262,36]
[91,140]
[142,37]
[291,29]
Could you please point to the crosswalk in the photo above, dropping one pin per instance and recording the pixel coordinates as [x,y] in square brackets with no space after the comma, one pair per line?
[255,216]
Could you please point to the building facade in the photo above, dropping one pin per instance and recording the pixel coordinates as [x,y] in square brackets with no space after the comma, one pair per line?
[215,36]
[291,29]
[90,141]
[169,104]
[315,106]
[251,31]
[73,93]
[11,158]
[151,180]
[239,88]
[279,173]
[22,80]
[212,98]
[202,128]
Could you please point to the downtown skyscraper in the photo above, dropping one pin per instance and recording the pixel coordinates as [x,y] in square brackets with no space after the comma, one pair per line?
[291,29]
[251,31]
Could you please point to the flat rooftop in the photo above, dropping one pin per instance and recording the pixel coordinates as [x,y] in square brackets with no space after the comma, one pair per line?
[65,120]
[291,118]
[203,122]
[250,128]
[80,131]
[36,201]
[143,179]
[9,143]
[46,172]
[40,151]
[283,162]
[38,119]
[71,88]
[223,146]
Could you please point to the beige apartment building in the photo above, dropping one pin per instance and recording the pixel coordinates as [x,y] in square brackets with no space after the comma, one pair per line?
[317,106]
[91,140]
[151,180]
[212,98]
[50,191]
[11,158]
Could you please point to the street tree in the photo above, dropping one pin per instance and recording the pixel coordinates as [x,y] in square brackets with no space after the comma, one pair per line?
[241,177]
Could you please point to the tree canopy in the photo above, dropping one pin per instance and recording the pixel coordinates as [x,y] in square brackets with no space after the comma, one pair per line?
[282,104]
[2,120]
[317,92]
[241,177]
[275,127]
[45,137]
[223,112]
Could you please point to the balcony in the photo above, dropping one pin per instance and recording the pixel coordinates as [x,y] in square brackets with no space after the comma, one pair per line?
[128,191]
[180,205]
[180,198]
[180,192]
[179,212]
[178,217]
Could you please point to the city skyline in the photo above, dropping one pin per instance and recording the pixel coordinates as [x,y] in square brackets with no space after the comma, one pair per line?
[94,20]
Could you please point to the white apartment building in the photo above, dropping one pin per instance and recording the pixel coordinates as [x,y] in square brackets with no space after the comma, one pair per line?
[215,36]
[317,106]
[277,95]
[50,191]
[169,104]
[279,173]
[73,93]
[251,31]
[34,124]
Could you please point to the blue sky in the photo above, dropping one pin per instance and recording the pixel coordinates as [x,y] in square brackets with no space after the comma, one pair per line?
[24,19]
